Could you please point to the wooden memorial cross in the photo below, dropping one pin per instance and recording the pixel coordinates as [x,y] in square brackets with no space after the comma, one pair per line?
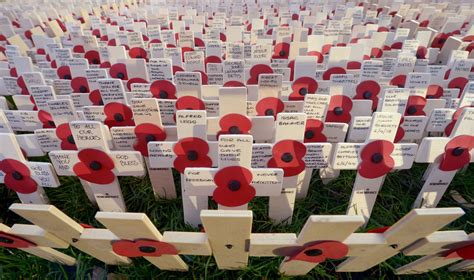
[92,241]
[446,155]
[191,150]
[234,183]
[34,240]
[373,160]
[97,166]
[25,177]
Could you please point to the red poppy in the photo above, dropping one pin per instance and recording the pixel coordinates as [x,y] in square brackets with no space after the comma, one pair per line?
[17,176]
[138,52]
[154,41]
[379,230]
[382,29]
[177,69]
[375,159]
[96,98]
[449,128]
[212,59]
[291,65]
[424,23]
[256,70]
[434,92]
[421,52]
[233,186]
[398,81]
[95,166]
[191,152]
[334,70]
[119,71]
[459,82]
[63,132]
[190,103]
[93,57]
[415,106]
[354,65]
[233,84]
[105,65]
[281,51]
[465,252]
[339,109]
[46,119]
[118,114]
[78,49]
[13,72]
[269,106]
[317,252]
[234,124]
[143,248]
[222,37]
[457,153]
[147,132]
[368,90]
[185,50]
[376,53]
[204,78]
[135,81]
[288,155]
[314,131]
[326,49]
[318,55]
[80,84]
[439,40]
[303,86]
[397,46]
[21,83]
[198,42]
[96,33]
[64,72]
[400,131]
[12,241]
[163,89]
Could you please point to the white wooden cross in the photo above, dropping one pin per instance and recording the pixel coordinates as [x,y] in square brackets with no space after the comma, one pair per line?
[373,160]
[96,165]
[26,178]
[446,155]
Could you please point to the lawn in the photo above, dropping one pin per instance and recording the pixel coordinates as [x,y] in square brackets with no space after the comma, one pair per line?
[394,201]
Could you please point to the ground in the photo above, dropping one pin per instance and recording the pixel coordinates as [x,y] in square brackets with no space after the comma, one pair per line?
[394,201]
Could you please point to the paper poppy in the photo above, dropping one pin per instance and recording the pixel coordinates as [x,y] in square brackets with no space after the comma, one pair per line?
[354,65]
[376,53]
[118,114]
[256,70]
[421,52]
[191,152]
[96,33]
[64,72]
[439,40]
[368,90]
[93,57]
[314,131]
[154,41]
[96,98]
[378,230]
[449,128]
[415,106]
[339,109]
[13,72]
[8,240]
[269,106]
[78,49]
[63,132]
[326,49]
[434,92]
[457,153]
[303,86]
[375,159]
[143,248]
[288,155]
[135,80]
[398,81]
[198,42]
[334,70]
[234,124]
[204,78]
[80,85]
[95,166]
[397,46]
[176,69]
[400,131]
[147,132]
[118,71]
[17,176]
[105,65]
[319,56]
[190,103]
[459,83]
[222,37]
[233,186]
[317,252]
[281,51]
[22,84]
[424,23]
[163,89]
[465,252]
[212,59]
[46,119]
[291,65]
[233,84]
[138,52]
[185,50]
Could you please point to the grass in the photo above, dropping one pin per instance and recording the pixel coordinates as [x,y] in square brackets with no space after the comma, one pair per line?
[394,201]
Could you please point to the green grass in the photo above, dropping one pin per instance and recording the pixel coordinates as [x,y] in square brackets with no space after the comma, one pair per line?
[394,201]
